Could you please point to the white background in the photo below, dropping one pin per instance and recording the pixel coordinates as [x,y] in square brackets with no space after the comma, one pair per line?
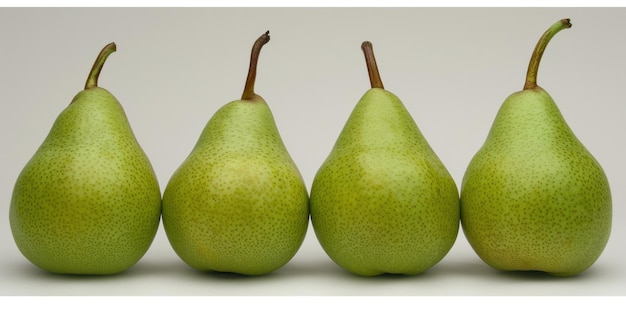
[174,68]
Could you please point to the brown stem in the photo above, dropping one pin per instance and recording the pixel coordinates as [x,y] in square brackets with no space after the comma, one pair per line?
[372,68]
[92,79]
[533,65]
[248,90]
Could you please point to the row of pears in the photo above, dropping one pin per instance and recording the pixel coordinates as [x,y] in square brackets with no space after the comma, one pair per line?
[532,198]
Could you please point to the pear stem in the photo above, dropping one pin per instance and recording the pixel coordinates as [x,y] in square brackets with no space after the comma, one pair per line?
[248,90]
[372,68]
[92,79]
[533,66]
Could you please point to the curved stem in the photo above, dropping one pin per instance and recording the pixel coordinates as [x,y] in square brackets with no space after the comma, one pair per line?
[92,79]
[533,66]
[372,68]
[248,90]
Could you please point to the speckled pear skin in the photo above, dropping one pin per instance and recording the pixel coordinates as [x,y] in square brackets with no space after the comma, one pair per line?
[88,201]
[533,198]
[383,202]
[238,202]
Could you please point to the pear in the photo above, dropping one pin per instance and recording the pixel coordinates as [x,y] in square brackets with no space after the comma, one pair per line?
[88,201]
[238,203]
[533,198]
[382,201]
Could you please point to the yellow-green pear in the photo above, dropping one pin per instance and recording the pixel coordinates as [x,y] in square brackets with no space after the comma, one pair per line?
[533,198]
[382,201]
[238,202]
[88,201]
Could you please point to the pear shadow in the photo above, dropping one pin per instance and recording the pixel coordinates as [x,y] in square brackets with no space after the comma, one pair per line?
[398,277]
[540,276]
[140,269]
[28,270]
[232,276]
[209,275]
[34,281]
[383,277]
[293,270]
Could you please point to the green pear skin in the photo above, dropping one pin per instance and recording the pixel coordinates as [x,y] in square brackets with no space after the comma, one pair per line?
[238,202]
[88,201]
[533,198]
[382,201]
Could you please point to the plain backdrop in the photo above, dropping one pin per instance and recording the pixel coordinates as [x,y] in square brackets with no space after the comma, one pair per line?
[174,67]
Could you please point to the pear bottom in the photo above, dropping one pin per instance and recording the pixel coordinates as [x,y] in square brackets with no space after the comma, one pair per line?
[246,221]
[80,242]
[247,243]
[518,227]
[553,256]
[560,241]
[373,257]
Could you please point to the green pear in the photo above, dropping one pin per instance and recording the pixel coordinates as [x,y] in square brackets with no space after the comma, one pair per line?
[238,202]
[382,201]
[88,201]
[533,198]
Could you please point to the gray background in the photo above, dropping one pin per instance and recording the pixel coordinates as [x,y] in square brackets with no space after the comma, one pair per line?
[452,67]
